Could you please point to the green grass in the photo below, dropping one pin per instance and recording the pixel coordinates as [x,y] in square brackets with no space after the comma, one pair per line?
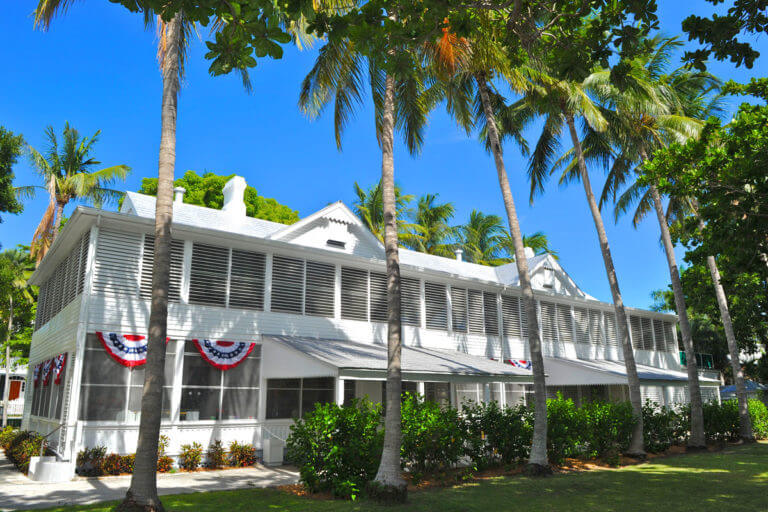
[734,479]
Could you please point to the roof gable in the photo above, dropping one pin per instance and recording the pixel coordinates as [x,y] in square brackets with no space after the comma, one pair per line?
[548,275]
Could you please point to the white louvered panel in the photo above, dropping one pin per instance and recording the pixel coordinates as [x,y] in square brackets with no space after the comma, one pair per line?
[548,322]
[647,327]
[55,303]
[581,317]
[459,309]
[116,270]
[354,294]
[410,296]
[524,318]
[658,334]
[70,287]
[596,335]
[475,312]
[40,313]
[246,280]
[44,307]
[491,313]
[436,302]
[653,393]
[177,268]
[320,289]
[208,275]
[83,261]
[287,284]
[636,332]
[611,335]
[510,315]
[669,336]
[564,323]
[378,296]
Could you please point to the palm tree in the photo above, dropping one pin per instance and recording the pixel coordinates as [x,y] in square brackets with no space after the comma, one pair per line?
[401,103]
[15,269]
[431,232]
[369,207]
[483,239]
[67,173]
[640,127]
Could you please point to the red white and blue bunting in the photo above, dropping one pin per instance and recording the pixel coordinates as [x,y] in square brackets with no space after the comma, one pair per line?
[36,378]
[46,371]
[127,349]
[58,367]
[519,363]
[224,355]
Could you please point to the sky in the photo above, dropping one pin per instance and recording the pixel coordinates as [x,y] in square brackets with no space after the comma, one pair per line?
[96,68]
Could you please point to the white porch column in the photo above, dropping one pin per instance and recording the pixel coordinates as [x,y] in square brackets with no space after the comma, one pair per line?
[421,388]
[340,391]
[486,392]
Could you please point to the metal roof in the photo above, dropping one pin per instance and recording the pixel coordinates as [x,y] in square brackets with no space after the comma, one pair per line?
[563,372]
[361,360]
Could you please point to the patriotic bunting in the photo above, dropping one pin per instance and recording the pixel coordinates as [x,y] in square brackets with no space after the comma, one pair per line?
[127,349]
[46,371]
[58,367]
[519,363]
[37,373]
[223,355]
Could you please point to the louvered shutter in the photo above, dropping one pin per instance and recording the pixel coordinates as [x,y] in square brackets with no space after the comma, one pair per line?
[475,312]
[287,284]
[436,306]
[636,331]
[72,263]
[669,336]
[548,322]
[378,297]
[84,243]
[177,268]
[611,334]
[491,314]
[581,316]
[116,270]
[524,318]
[208,275]
[459,309]
[658,334]
[40,313]
[595,327]
[320,289]
[410,296]
[510,315]
[58,291]
[246,280]
[647,327]
[354,294]
[564,323]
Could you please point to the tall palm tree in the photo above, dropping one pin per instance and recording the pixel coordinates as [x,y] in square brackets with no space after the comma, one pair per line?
[15,269]
[401,103]
[638,128]
[431,232]
[66,170]
[369,207]
[483,238]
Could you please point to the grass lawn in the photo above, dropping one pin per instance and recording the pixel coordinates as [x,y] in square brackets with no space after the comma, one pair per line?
[733,479]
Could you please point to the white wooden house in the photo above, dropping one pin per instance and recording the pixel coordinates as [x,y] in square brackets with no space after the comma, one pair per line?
[299,313]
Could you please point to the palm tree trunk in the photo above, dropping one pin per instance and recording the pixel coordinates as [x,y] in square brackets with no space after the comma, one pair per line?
[636,447]
[389,482]
[57,222]
[537,461]
[697,439]
[7,388]
[142,493]
[745,422]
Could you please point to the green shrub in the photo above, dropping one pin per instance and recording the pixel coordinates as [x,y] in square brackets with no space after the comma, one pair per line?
[241,454]
[190,457]
[164,462]
[22,447]
[721,421]
[112,464]
[497,435]
[216,456]
[337,449]
[759,414]
[432,437]
[127,462]
[90,461]
[564,429]
[606,428]
[7,435]
[661,427]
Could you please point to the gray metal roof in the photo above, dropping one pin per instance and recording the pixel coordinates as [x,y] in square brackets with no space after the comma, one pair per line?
[349,357]
[617,368]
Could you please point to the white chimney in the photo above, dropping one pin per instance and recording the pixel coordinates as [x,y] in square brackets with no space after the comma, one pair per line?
[459,254]
[234,196]
[178,195]
[529,253]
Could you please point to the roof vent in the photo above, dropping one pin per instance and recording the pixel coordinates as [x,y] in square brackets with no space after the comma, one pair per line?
[529,253]
[178,194]
[338,244]
[459,254]
[234,196]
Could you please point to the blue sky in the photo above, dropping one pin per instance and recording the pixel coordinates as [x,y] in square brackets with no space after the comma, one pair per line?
[96,68]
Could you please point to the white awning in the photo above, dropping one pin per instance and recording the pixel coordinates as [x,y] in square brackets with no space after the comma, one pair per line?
[578,372]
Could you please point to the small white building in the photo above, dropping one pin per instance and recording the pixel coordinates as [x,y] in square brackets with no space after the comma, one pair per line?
[16,387]
[266,319]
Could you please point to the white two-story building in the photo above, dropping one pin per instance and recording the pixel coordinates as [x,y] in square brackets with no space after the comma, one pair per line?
[265,320]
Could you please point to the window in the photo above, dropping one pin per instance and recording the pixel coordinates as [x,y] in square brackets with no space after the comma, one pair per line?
[658,334]
[475,312]
[117,265]
[208,275]
[514,394]
[177,268]
[491,314]
[581,316]
[246,280]
[410,297]
[564,323]
[548,322]
[468,392]
[459,309]
[438,392]
[436,306]
[208,393]
[669,336]
[320,289]
[287,284]
[595,327]
[378,296]
[510,315]
[111,391]
[611,336]
[354,294]
[636,332]
[647,327]
[293,398]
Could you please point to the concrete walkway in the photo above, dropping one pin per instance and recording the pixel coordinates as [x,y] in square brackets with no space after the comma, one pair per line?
[19,493]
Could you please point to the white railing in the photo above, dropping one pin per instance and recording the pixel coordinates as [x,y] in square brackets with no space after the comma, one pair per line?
[15,407]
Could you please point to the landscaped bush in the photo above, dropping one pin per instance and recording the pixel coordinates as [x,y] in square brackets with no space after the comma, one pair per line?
[496,435]
[90,462]
[127,462]
[662,427]
[7,435]
[337,449]
[565,429]
[22,447]
[721,421]
[606,429]
[432,438]
[164,462]
[241,454]
[216,456]
[190,457]
[759,414]
[113,464]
